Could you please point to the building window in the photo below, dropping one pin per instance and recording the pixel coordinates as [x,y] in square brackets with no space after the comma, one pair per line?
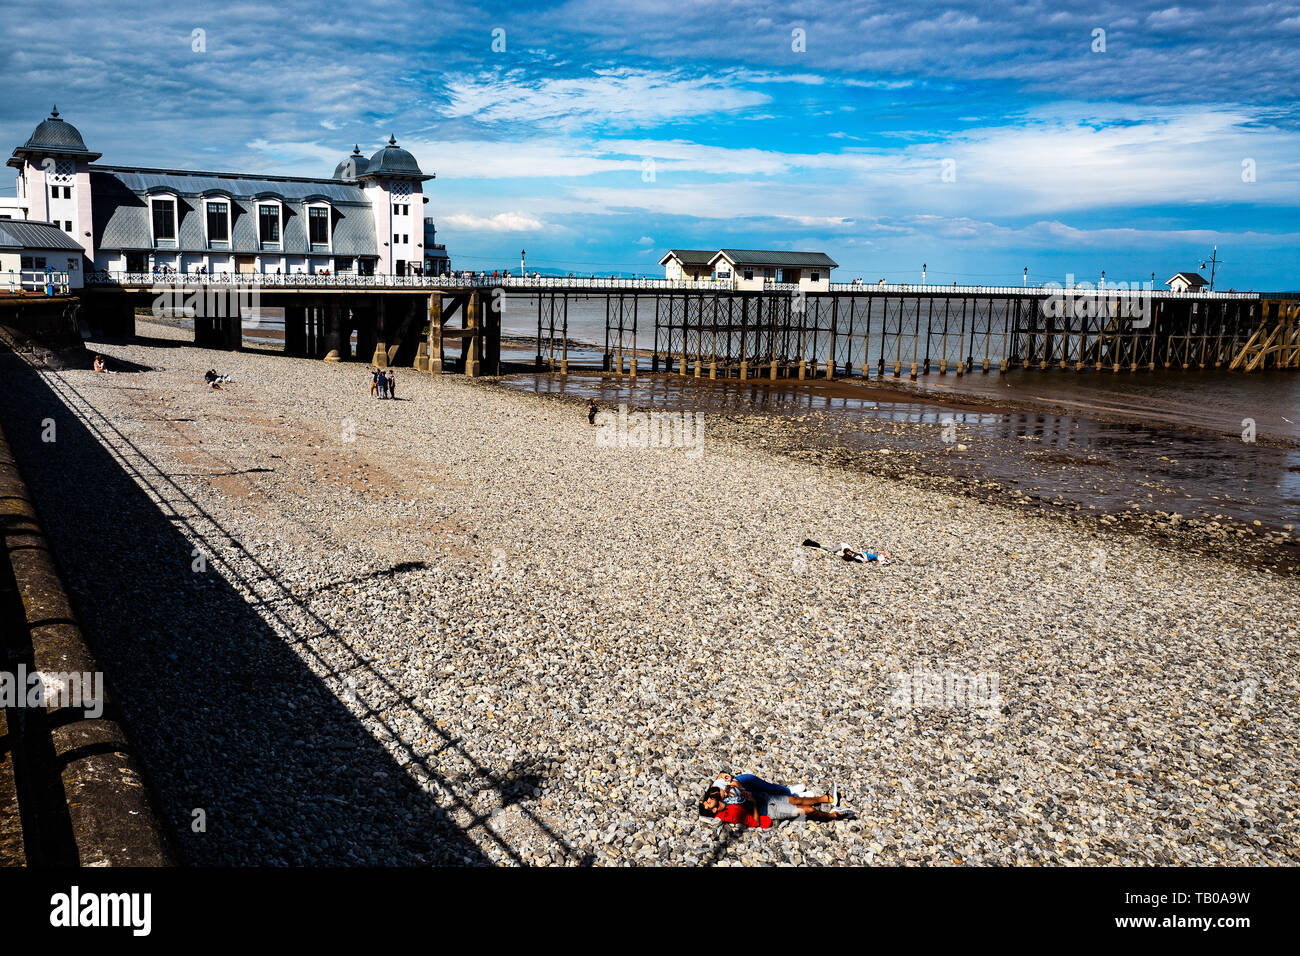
[32,262]
[67,225]
[343,265]
[218,222]
[318,223]
[396,238]
[749,273]
[816,277]
[164,219]
[268,224]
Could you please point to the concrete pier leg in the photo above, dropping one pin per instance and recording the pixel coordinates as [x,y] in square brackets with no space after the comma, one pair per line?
[295,331]
[744,371]
[335,346]
[435,334]
[631,366]
[713,370]
[772,373]
[686,365]
[473,353]
[380,355]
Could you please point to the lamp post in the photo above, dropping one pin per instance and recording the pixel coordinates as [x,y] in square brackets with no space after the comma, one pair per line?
[923,273]
[1026,282]
[521,261]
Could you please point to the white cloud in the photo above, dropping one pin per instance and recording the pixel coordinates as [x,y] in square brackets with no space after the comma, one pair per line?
[606,97]
[501,222]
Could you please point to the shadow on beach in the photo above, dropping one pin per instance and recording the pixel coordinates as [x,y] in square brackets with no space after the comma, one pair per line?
[229,720]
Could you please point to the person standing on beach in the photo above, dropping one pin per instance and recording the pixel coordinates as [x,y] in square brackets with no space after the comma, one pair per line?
[591,411]
[374,382]
[392,384]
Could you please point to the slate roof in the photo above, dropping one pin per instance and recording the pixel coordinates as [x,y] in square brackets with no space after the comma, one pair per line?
[766,257]
[122,219]
[30,234]
[1195,280]
[690,257]
[57,136]
[394,162]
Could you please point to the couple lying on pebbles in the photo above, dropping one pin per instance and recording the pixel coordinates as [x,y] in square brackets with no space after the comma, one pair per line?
[753,802]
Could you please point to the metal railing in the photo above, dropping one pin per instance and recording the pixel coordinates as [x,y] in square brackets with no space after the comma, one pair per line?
[300,280]
[35,280]
[1009,290]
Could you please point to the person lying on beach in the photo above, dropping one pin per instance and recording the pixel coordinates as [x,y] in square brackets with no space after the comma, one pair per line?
[849,554]
[735,802]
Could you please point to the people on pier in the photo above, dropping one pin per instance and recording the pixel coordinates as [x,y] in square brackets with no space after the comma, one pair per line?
[748,800]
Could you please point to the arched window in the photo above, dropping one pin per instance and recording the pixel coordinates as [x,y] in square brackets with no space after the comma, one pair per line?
[319,226]
[162,219]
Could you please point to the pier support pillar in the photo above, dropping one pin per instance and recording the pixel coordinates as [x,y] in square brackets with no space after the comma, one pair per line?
[773,372]
[744,370]
[713,370]
[473,347]
[435,334]
[380,356]
[830,370]
[334,343]
[803,369]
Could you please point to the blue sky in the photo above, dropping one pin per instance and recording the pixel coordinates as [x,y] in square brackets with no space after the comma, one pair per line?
[606,132]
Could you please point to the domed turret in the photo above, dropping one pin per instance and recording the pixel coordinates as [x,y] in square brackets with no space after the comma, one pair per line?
[352,166]
[56,137]
[393,162]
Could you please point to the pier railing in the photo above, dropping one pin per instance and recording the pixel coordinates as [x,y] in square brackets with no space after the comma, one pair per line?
[302,280]
[34,280]
[315,281]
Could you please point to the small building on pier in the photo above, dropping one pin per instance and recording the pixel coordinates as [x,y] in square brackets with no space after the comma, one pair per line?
[1186,282]
[750,269]
[30,250]
[688,264]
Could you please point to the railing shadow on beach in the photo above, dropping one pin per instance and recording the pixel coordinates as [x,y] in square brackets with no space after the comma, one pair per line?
[228,716]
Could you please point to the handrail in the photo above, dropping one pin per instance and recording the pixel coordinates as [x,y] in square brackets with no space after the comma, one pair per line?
[311,280]
[34,280]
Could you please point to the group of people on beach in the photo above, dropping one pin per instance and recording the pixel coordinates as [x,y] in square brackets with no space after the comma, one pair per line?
[383,385]
[214,380]
[750,801]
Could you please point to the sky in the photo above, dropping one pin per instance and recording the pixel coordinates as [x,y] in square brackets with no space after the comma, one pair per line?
[975,140]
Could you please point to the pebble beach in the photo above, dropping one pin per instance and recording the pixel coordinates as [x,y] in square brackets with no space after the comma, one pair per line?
[456,628]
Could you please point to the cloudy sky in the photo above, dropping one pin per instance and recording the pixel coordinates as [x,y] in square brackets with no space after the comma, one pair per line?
[977,138]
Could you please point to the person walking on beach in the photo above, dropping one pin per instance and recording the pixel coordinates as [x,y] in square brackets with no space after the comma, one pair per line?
[392,384]
[591,411]
[752,802]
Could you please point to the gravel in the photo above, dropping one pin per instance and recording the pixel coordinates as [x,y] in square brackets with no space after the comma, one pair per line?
[454,628]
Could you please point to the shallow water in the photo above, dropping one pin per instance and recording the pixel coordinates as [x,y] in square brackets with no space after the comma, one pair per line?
[1109,465]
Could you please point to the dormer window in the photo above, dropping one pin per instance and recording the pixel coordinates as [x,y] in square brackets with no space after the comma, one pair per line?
[218,222]
[318,226]
[164,219]
[268,225]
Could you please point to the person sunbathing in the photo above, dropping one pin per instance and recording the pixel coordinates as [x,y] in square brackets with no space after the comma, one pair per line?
[849,554]
[730,800]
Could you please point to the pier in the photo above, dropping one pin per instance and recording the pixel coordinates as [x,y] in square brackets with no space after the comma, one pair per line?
[706,329]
